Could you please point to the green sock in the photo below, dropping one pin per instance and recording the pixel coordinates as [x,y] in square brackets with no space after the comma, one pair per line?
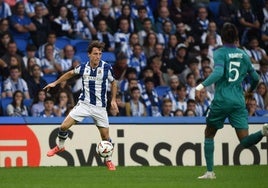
[251,139]
[209,153]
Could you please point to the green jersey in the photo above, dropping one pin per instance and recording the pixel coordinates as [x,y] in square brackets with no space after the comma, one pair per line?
[231,66]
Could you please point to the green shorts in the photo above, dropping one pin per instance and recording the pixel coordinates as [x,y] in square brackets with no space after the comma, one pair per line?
[238,117]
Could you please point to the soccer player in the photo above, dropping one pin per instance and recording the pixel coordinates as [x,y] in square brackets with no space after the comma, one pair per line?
[232,65]
[93,98]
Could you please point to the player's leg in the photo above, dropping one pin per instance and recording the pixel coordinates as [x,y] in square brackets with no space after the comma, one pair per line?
[101,119]
[215,119]
[62,135]
[239,120]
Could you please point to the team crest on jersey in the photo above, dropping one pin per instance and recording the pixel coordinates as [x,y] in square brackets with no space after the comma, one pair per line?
[99,72]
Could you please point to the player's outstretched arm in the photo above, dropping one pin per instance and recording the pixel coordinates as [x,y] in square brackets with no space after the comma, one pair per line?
[64,77]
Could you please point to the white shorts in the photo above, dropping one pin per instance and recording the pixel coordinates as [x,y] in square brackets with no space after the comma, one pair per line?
[83,110]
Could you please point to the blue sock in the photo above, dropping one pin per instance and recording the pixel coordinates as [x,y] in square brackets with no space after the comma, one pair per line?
[209,153]
[251,139]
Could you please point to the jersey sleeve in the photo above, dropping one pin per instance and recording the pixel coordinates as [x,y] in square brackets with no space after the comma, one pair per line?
[110,74]
[218,69]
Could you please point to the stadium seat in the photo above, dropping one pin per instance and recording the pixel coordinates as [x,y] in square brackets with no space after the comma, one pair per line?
[109,57]
[4,103]
[81,45]
[61,42]
[161,90]
[21,44]
[50,77]
[214,9]
[83,56]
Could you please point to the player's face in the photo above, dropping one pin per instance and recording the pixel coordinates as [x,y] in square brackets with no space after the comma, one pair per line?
[95,56]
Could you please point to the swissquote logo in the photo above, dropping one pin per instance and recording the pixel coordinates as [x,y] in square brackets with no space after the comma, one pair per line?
[18,146]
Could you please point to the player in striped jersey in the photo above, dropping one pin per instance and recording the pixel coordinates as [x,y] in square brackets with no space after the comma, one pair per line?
[93,99]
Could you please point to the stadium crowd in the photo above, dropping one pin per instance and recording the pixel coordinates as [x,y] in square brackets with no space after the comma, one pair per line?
[163,49]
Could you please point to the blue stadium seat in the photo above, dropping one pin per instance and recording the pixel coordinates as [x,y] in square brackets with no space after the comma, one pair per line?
[214,9]
[161,90]
[81,45]
[61,42]
[109,57]
[21,44]
[4,103]
[83,55]
[50,77]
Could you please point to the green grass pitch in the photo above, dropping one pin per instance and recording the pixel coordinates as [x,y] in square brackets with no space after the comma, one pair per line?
[133,177]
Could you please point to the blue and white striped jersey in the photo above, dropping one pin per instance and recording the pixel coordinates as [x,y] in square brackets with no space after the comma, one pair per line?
[95,82]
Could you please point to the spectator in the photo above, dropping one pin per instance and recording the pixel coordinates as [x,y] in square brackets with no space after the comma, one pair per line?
[160,78]
[49,64]
[48,108]
[178,112]
[63,104]
[5,10]
[51,39]
[121,36]
[212,29]
[167,32]
[128,48]
[5,38]
[203,103]
[35,81]
[163,17]
[149,44]
[68,55]
[255,52]
[131,73]
[170,47]
[191,105]
[147,28]
[192,67]
[31,50]
[138,59]
[142,15]
[179,63]
[121,107]
[126,95]
[116,9]
[126,13]
[4,26]
[190,85]
[172,91]
[261,96]
[30,7]
[252,107]
[17,107]
[181,11]
[104,35]
[38,103]
[189,113]
[42,24]
[12,51]
[84,28]
[74,7]
[200,25]
[227,12]
[249,24]
[105,15]
[134,107]
[53,7]
[167,108]
[14,82]
[181,102]
[264,71]
[159,53]
[62,25]
[184,35]
[150,98]
[21,24]
[120,66]
[134,9]
[93,9]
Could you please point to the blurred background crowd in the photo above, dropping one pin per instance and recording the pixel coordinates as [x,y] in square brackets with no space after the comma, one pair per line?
[159,49]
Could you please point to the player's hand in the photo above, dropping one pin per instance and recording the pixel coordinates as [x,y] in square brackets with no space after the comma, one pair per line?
[47,87]
[114,106]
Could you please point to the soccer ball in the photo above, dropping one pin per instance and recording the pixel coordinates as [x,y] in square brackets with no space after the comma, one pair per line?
[105,148]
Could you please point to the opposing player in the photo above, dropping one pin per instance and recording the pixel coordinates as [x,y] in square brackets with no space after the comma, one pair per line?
[232,65]
[93,98]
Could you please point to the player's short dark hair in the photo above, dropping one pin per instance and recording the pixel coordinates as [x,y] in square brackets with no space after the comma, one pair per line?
[95,44]
[229,33]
